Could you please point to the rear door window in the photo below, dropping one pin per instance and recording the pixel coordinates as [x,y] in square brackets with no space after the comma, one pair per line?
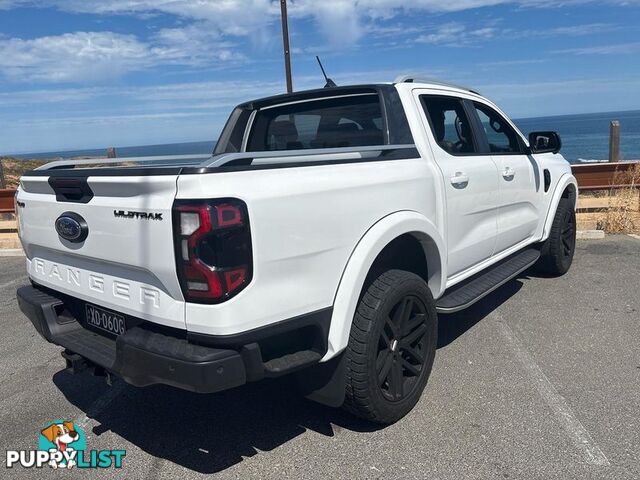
[350,121]
[449,124]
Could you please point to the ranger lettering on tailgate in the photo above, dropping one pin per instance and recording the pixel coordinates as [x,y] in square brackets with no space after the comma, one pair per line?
[75,277]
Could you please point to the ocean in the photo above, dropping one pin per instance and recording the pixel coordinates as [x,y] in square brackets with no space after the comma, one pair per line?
[187,148]
[585,138]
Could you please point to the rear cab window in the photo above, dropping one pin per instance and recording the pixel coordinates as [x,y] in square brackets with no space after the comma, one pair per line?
[334,122]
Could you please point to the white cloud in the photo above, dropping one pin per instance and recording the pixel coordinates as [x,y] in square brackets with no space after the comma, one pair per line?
[337,20]
[8,4]
[236,16]
[247,17]
[447,33]
[566,31]
[71,56]
[233,17]
[90,56]
[615,49]
[456,34]
[211,33]
[194,44]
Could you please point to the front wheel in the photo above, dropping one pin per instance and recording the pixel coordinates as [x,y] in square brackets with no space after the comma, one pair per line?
[558,250]
[391,347]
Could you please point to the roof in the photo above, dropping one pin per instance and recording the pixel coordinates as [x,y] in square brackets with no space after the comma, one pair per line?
[311,94]
[348,90]
[432,81]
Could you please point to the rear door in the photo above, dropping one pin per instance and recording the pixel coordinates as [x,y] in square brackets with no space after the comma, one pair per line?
[470,181]
[519,179]
[126,263]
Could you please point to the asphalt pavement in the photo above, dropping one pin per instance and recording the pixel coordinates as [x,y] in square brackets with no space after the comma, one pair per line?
[540,380]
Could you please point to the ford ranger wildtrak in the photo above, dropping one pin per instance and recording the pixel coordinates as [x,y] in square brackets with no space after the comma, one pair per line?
[322,238]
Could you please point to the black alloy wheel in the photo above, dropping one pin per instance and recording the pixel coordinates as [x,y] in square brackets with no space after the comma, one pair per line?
[556,253]
[401,348]
[392,346]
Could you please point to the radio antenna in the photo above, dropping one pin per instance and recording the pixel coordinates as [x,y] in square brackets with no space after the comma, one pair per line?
[330,83]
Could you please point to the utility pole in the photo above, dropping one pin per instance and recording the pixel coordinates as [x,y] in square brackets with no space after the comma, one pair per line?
[285,41]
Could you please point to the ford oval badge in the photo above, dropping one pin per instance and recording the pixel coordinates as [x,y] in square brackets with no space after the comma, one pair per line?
[72,227]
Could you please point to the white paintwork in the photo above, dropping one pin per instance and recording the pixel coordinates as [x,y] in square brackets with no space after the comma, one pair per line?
[133,161]
[305,225]
[521,185]
[379,236]
[315,230]
[126,265]
[471,194]
[553,198]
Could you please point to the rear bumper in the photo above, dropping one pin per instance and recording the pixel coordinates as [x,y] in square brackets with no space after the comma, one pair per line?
[148,354]
[140,356]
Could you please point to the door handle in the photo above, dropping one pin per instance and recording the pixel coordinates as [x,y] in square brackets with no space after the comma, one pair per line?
[460,180]
[508,173]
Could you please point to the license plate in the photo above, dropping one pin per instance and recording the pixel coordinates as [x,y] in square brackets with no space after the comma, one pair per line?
[106,320]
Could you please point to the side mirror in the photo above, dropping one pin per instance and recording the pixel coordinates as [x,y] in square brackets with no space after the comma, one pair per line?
[544,142]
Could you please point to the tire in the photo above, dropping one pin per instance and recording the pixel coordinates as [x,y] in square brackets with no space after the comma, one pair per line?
[395,347]
[558,250]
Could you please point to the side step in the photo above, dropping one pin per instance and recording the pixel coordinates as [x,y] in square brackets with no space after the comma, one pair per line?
[468,292]
[291,362]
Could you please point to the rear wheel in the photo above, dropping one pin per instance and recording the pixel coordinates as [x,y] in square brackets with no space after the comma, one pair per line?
[558,250]
[391,347]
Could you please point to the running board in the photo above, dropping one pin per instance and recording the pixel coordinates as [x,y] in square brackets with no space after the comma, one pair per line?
[468,292]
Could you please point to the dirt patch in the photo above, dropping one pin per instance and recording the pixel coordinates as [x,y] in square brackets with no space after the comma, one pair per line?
[13,169]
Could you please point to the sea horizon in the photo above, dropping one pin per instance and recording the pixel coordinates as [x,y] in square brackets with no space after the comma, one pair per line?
[585,139]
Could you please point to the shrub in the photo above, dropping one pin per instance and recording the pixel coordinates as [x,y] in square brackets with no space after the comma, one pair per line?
[623,212]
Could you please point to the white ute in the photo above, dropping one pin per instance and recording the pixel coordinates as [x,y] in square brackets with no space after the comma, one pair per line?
[322,237]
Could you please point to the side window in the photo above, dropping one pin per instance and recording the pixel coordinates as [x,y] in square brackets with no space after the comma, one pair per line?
[501,136]
[449,124]
[350,121]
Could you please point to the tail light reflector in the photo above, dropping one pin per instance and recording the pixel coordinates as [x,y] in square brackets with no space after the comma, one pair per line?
[213,249]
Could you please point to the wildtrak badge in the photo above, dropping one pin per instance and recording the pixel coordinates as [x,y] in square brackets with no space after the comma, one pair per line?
[136,215]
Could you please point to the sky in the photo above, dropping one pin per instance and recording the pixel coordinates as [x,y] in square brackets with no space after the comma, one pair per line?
[78,74]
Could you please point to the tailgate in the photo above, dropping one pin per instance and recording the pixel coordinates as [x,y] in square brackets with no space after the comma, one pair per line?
[126,262]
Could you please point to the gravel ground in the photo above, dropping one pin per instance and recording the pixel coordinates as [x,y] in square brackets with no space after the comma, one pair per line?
[539,380]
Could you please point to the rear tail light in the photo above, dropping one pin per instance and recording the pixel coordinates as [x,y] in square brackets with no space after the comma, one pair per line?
[213,248]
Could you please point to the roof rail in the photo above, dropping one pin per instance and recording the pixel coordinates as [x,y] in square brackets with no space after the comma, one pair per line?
[433,81]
